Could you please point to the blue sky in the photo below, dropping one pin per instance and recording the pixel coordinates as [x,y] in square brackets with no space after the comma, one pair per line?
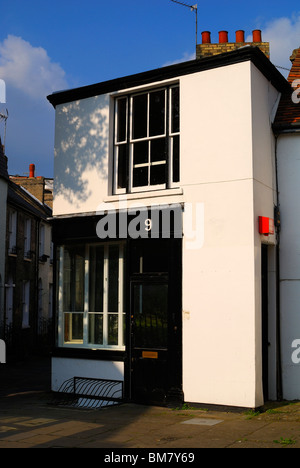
[48,46]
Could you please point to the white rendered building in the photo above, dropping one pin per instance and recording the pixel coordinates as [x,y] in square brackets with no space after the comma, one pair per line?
[166,273]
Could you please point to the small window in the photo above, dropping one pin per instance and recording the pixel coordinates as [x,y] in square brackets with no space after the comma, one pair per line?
[42,241]
[12,227]
[147,141]
[26,299]
[27,239]
[9,301]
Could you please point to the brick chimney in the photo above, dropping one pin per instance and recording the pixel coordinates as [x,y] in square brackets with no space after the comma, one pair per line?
[34,185]
[207,49]
[39,187]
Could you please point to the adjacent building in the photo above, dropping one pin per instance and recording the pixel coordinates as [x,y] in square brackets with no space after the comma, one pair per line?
[165,237]
[286,129]
[26,316]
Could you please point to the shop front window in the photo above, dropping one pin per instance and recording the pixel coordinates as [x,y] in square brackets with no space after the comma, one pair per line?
[90,296]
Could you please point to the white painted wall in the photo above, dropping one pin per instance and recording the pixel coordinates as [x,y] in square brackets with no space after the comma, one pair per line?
[288,174]
[265,101]
[81,155]
[226,162]
[65,368]
[227,165]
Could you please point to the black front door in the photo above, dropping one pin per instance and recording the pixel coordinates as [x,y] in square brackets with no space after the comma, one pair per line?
[155,328]
[149,329]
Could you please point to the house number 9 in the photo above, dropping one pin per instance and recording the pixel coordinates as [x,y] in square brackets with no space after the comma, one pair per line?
[148,224]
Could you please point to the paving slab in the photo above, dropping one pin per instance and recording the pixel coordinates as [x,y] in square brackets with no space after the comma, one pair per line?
[29,420]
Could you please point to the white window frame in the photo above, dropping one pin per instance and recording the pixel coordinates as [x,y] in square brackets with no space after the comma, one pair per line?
[9,301]
[42,240]
[130,144]
[12,226]
[27,238]
[86,312]
[26,304]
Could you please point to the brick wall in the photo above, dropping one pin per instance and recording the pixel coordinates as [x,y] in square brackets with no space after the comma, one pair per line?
[36,186]
[208,50]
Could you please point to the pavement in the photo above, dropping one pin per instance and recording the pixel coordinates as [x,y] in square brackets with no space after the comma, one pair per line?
[29,419]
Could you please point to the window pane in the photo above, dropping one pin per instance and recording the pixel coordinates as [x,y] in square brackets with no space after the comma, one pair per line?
[121,119]
[140,177]
[176,159]
[158,174]
[150,307]
[157,113]
[73,274]
[113,279]
[158,150]
[74,328]
[96,329]
[150,256]
[139,116]
[140,152]
[175,119]
[122,150]
[96,279]
[113,329]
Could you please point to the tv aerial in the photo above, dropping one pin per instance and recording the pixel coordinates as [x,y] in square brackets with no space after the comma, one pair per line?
[193,8]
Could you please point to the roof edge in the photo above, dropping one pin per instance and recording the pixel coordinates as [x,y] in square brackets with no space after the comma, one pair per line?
[248,53]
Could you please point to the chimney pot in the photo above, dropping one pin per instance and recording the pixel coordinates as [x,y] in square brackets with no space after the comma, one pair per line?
[240,36]
[223,37]
[257,35]
[206,37]
[32,171]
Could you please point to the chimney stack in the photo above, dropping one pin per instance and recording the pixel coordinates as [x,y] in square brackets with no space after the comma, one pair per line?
[206,37]
[207,49]
[223,37]
[32,171]
[257,35]
[240,36]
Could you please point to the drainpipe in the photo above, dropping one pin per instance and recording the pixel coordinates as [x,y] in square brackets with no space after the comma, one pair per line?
[278,321]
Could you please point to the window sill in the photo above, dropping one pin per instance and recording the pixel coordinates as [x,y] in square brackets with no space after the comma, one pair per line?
[142,195]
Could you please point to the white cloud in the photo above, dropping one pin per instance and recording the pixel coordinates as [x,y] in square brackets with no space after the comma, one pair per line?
[30,76]
[186,57]
[29,69]
[284,36]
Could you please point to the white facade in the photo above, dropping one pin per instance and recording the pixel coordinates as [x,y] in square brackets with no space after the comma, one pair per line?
[227,157]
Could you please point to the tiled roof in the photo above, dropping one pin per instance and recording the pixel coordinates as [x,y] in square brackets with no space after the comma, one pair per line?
[288,113]
[23,199]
